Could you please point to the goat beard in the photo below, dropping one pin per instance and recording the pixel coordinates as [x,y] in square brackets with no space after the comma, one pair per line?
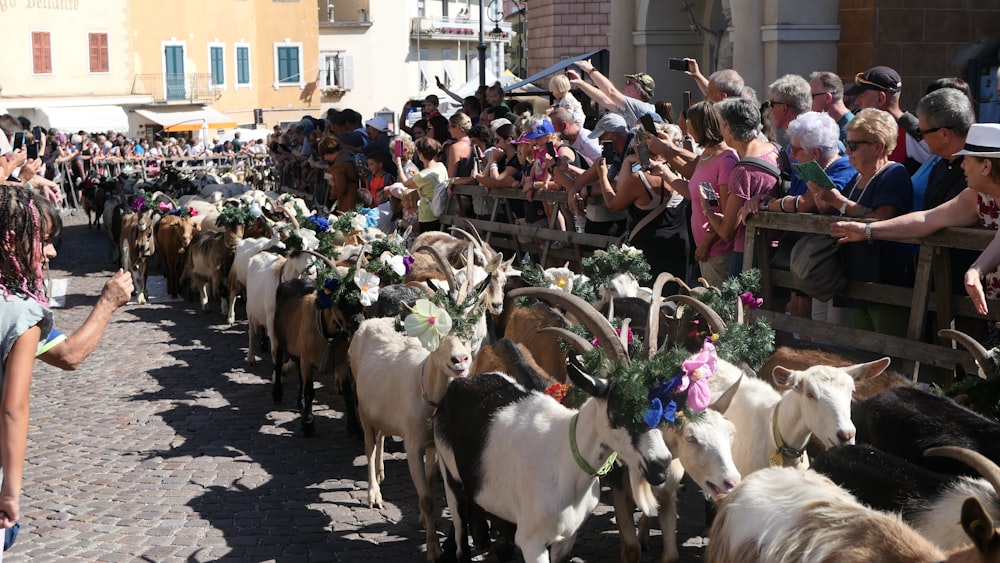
[642,493]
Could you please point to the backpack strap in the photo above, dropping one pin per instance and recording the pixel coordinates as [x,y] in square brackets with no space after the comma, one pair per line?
[910,124]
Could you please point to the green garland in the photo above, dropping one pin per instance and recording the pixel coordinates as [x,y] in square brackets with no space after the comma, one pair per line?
[603,265]
[753,342]
[463,325]
[232,215]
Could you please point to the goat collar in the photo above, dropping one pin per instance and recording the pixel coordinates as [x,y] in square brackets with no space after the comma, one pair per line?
[783,453]
[579,458]
[423,392]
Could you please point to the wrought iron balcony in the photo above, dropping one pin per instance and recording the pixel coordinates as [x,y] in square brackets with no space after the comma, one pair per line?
[166,88]
[450,29]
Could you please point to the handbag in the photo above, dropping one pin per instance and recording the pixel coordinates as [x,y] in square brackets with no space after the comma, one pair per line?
[816,266]
[440,202]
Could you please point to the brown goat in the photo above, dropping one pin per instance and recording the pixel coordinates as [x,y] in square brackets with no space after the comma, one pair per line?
[173,235]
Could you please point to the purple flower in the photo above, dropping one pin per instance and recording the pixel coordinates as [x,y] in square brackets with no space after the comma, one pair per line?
[138,203]
[750,302]
[407,263]
[618,331]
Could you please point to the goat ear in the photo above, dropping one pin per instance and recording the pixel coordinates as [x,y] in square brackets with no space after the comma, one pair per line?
[722,403]
[978,524]
[593,386]
[784,378]
[860,372]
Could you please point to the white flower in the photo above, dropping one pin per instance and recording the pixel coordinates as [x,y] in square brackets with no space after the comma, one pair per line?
[560,278]
[428,323]
[394,262]
[367,282]
[631,251]
[359,222]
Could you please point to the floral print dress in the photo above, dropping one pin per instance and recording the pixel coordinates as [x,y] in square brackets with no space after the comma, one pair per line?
[989,217]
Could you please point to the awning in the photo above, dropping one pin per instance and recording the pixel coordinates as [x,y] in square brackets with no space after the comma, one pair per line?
[190,120]
[600,60]
[91,119]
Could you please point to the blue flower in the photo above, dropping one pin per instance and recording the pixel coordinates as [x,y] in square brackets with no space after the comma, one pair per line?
[324,295]
[371,217]
[322,224]
[662,405]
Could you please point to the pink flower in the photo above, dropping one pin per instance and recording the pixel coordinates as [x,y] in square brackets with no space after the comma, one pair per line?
[750,302]
[165,206]
[697,370]
[618,331]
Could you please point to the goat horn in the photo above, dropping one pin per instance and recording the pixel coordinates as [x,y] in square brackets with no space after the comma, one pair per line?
[290,215]
[474,231]
[653,320]
[446,269]
[982,464]
[156,195]
[422,286]
[982,356]
[579,343]
[715,322]
[463,291]
[590,317]
[321,257]
[722,403]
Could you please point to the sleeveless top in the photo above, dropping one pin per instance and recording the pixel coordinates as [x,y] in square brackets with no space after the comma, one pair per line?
[989,217]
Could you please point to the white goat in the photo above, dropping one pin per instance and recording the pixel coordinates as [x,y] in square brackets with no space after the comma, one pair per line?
[794,515]
[491,432]
[398,384]
[773,428]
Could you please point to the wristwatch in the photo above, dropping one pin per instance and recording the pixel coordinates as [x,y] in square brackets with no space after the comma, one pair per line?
[843,208]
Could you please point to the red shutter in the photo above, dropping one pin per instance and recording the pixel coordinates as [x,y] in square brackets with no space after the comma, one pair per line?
[98,52]
[41,52]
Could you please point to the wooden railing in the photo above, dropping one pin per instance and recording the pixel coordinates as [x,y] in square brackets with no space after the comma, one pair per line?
[932,271]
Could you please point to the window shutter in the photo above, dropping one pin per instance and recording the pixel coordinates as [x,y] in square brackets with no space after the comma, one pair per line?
[41,52]
[347,67]
[95,57]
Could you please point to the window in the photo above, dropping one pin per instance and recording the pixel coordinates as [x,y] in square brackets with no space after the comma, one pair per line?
[337,71]
[98,52]
[288,64]
[217,64]
[242,65]
[41,52]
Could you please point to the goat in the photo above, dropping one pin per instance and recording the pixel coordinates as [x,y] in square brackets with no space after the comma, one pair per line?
[774,428]
[926,500]
[137,245]
[794,515]
[490,431]
[905,421]
[796,358]
[243,251]
[173,236]
[206,259]
[305,332]
[93,195]
[114,209]
[398,383]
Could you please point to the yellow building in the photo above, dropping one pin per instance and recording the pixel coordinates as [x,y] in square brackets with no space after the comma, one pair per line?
[143,66]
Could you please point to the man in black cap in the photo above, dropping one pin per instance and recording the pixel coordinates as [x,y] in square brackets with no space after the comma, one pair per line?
[879,87]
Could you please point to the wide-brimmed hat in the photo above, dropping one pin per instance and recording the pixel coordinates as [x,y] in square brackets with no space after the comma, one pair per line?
[609,123]
[645,83]
[983,141]
[881,78]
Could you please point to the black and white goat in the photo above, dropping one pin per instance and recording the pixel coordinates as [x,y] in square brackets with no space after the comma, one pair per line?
[926,500]
[491,432]
[799,516]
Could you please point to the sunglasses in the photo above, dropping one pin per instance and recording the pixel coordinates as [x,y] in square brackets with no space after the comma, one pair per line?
[859,80]
[923,132]
[820,94]
[853,145]
[771,104]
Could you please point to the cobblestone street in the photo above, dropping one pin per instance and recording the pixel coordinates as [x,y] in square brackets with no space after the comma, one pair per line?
[166,446]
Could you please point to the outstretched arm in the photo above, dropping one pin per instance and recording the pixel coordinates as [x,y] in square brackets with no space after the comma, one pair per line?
[69,354]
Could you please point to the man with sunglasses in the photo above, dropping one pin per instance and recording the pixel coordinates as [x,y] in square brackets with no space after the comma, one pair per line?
[879,87]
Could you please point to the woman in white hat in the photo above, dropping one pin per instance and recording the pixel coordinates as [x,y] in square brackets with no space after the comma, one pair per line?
[977,205]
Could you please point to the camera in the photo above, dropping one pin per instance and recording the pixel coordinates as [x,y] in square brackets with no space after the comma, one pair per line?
[679,64]
[608,151]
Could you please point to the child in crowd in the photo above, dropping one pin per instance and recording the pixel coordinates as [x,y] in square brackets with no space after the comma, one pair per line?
[30,224]
[560,87]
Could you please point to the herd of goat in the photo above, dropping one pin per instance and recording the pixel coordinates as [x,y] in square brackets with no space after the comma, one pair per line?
[817,460]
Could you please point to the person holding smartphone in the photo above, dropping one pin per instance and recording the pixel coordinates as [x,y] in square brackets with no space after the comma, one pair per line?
[630,102]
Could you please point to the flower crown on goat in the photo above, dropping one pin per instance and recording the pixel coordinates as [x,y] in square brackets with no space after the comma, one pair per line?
[240,214]
[432,319]
[382,262]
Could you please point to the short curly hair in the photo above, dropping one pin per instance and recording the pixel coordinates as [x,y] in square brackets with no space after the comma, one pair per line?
[877,125]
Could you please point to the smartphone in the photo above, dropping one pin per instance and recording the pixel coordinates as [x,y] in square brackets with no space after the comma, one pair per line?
[33,151]
[608,151]
[708,193]
[687,99]
[19,140]
[647,124]
[397,148]
[679,64]
[550,148]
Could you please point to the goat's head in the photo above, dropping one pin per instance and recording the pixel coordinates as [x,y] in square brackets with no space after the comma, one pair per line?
[495,266]
[144,236]
[824,395]
[704,445]
[640,446]
[453,356]
[976,520]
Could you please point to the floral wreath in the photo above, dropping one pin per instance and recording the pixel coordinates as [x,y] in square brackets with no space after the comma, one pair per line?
[603,265]
[232,215]
[747,338]
[436,316]
[383,261]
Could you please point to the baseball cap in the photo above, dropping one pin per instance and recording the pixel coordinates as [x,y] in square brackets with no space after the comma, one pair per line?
[609,123]
[378,123]
[881,78]
[498,123]
[645,82]
[522,139]
[540,130]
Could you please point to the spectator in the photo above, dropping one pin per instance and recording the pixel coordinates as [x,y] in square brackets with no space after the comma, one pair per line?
[613,133]
[430,109]
[881,190]
[343,176]
[501,167]
[945,117]
[714,166]
[879,87]
[495,97]
[438,129]
[575,135]
[379,178]
[721,84]
[377,129]
[827,91]
[433,174]
[632,102]
[560,87]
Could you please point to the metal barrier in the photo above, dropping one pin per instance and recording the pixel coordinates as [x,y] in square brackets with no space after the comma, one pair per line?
[932,291]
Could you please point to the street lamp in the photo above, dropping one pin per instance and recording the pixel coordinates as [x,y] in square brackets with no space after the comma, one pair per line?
[496,16]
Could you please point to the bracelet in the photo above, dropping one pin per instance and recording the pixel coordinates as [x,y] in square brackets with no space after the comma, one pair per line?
[796,200]
[977,268]
[781,204]
[868,232]
[843,208]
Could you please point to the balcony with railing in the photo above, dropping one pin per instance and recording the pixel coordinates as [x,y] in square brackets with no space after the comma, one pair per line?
[175,88]
[344,13]
[450,29]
